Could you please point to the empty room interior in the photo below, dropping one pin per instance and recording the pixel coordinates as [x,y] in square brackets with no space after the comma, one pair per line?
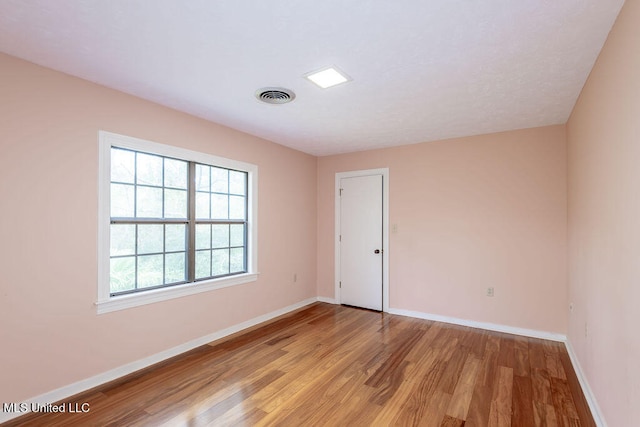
[199,227]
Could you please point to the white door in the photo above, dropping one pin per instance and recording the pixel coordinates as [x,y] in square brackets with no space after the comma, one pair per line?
[361,241]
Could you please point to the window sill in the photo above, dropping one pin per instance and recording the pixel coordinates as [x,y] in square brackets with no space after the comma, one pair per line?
[134,300]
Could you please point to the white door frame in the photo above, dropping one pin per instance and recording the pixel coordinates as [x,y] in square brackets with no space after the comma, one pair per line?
[385,231]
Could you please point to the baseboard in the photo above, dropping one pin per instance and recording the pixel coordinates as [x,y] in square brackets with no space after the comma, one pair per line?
[327,300]
[586,389]
[551,336]
[95,381]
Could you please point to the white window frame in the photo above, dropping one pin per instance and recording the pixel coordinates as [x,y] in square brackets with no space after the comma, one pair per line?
[105,302]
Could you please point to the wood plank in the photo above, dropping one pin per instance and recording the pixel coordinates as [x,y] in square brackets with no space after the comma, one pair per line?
[580,402]
[563,402]
[475,341]
[522,365]
[552,347]
[452,372]
[236,399]
[397,355]
[493,342]
[461,398]
[419,390]
[544,415]
[541,386]
[506,357]
[436,410]
[537,357]
[488,368]
[500,412]
[450,421]
[425,345]
[554,366]
[522,402]
[479,407]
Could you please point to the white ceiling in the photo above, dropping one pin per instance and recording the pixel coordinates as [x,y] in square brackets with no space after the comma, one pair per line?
[422,70]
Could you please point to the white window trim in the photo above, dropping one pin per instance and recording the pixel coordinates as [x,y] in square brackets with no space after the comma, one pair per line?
[105,302]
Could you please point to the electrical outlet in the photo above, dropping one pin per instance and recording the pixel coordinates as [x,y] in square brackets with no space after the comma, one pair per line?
[490,292]
[586,330]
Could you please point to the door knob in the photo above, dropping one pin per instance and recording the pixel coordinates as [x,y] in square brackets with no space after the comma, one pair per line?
[377,251]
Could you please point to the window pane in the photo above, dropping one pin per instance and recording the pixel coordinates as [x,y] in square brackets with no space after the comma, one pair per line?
[220,235]
[175,237]
[203,236]
[122,165]
[219,180]
[150,238]
[175,173]
[150,270]
[202,178]
[175,270]
[203,264]
[149,202]
[236,207]
[122,274]
[202,205]
[219,206]
[237,235]
[149,169]
[236,260]
[121,200]
[220,262]
[237,182]
[123,239]
[175,203]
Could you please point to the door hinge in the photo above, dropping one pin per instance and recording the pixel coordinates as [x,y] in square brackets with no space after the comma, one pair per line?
[341,191]
[340,238]
[340,285]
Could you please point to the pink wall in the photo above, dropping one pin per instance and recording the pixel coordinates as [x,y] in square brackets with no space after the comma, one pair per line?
[471,213]
[604,223]
[51,335]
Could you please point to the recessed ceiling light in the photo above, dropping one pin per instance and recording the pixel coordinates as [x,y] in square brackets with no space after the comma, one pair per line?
[327,77]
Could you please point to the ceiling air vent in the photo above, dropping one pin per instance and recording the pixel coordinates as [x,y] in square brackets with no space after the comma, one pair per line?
[275,95]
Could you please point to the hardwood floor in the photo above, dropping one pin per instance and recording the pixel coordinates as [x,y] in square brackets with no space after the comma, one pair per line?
[340,366]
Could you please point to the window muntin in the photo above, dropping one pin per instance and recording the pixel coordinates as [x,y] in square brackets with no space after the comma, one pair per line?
[153,221]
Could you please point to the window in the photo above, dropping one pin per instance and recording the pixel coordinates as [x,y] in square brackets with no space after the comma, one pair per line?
[173,222]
